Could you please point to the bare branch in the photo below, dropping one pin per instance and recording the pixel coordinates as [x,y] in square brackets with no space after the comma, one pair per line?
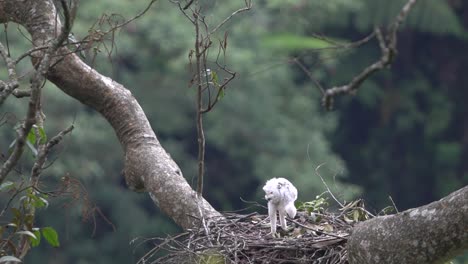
[201,50]
[21,93]
[388,49]
[188,5]
[43,153]
[200,133]
[248,6]
[182,10]
[134,18]
[309,74]
[6,88]
[37,81]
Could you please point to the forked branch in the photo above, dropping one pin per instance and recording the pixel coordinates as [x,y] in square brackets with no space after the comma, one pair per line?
[208,86]
[37,81]
[388,48]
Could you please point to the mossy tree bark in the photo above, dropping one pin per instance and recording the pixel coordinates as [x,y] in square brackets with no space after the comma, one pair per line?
[433,233]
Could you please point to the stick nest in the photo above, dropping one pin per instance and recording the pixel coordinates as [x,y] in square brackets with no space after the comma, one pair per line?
[310,238]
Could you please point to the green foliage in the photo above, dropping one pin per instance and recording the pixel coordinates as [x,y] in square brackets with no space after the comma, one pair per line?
[319,205]
[22,205]
[355,212]
[51,236]
[289,43]
[37,240]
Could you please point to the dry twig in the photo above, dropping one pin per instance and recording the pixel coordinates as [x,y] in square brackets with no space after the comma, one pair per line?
[245,239]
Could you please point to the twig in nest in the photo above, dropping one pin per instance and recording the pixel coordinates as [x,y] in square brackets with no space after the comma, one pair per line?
[240,239]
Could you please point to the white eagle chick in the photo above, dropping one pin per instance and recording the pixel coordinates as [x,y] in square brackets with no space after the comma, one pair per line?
[280,194]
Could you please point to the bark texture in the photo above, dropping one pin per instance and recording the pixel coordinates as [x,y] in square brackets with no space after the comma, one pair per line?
[148,167]
[432,233]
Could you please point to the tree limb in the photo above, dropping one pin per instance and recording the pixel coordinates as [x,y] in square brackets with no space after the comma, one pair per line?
[37,81]
[388,48]
[433,233]
[148,167]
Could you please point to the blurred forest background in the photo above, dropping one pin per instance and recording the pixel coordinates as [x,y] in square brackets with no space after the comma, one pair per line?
[404,135]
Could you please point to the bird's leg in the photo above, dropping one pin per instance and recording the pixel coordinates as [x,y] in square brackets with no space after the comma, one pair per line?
[272,214]
[282,217]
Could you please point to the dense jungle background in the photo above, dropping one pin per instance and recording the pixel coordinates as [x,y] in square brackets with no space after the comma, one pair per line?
[404,134]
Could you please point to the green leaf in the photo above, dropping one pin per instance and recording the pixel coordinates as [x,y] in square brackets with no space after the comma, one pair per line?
[37,241]
[31,136]
[44,202]
[38,202]
[221,94]
[214,78]
[43,136]
[9,259]
[26,233]
[6,185]
[50,236]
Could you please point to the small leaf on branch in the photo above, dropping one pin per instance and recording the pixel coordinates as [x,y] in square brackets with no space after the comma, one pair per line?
[32,136]
[27,233]
[214,78]
[43,136]
[39,202]
[51,236]
[37,241]
[221,94]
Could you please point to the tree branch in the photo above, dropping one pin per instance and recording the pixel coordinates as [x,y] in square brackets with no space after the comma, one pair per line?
[6,88]
[43,153]
[37,81]
[432,233]
[147,165]
[388,48]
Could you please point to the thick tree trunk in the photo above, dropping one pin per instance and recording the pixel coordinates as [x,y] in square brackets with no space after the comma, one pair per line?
[432,233]
[147,165]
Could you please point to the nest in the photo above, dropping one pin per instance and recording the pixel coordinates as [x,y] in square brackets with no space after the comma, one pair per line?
[310,238]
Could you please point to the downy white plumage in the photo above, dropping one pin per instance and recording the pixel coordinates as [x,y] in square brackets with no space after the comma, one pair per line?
[280,194]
